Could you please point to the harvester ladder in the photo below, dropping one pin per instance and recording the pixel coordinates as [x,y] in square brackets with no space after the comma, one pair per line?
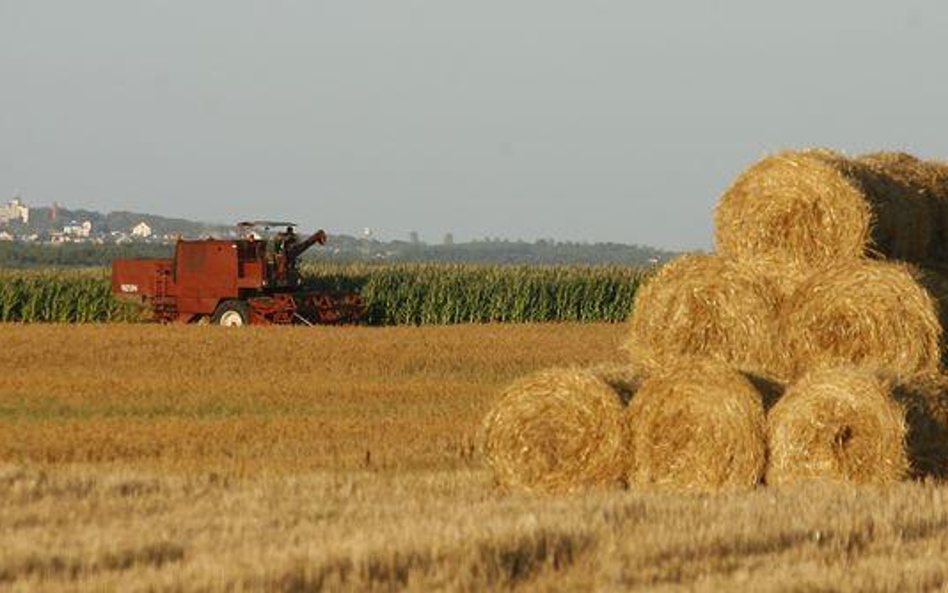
[163,305]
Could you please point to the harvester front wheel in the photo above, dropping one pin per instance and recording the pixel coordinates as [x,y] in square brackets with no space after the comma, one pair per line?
[232,313]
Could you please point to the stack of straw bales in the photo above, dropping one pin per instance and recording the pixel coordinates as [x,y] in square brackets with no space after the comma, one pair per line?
[809,346]
[697,425]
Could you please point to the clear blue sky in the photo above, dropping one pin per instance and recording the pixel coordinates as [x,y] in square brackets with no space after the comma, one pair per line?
[588,120]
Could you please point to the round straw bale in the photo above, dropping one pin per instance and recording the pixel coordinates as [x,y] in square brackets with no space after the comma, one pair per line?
[866,312]
[924,398]
[696,425]
[792,204]
[817,206]
[902,224]
[927,178]
[709,306]
[555,431]
[934,278]
[908,169]
[840,424]
[930,179]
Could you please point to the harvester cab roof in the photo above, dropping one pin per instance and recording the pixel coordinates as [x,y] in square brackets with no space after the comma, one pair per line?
[264,229]
[264,224]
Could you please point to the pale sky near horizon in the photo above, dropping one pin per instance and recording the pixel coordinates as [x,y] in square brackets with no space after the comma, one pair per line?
[601,121]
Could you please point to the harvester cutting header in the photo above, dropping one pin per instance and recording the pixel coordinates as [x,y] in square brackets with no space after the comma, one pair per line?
[251,280]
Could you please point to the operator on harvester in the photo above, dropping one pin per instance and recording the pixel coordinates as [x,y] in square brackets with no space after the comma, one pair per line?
[287,247]
[284,242]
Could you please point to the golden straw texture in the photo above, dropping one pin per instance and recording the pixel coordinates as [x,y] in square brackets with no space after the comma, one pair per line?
[697,425]
[709,306]
[924,398]
[840,424]
[555,431]
[817,206]
[929,180]
[863,312]
[793,204]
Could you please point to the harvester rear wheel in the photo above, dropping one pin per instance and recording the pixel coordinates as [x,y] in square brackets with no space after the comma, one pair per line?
[232,313]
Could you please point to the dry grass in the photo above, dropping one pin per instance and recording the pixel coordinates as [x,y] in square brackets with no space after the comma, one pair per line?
[303,459]
[91,528]
[287,399]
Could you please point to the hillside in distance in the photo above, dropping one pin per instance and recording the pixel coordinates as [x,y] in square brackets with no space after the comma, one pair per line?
[47,219]
[101,246]
[346,249]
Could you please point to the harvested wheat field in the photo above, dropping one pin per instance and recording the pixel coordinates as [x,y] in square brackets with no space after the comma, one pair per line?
[293,459]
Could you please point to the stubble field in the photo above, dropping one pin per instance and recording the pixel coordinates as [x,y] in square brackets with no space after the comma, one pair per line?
[179,458]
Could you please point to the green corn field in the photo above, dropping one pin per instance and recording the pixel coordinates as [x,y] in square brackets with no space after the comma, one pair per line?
[407,294]
[62,296]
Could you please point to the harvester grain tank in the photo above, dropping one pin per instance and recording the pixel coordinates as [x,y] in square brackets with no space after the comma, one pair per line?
[251,280]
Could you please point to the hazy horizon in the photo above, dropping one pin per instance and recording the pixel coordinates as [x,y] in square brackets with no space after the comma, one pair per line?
[595,121]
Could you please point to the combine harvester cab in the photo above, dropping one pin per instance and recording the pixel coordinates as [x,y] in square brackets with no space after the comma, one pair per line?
[234,282]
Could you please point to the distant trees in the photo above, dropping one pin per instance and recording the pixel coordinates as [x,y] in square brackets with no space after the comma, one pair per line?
[343,248]
[37,255]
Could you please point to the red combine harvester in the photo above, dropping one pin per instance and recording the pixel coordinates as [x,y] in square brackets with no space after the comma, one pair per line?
[254,280]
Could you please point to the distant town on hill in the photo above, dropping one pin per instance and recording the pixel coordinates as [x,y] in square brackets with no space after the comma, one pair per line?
[58,236]
[59,225]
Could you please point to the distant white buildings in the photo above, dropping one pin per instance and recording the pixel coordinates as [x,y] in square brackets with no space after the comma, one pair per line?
[15,209]
[78,230]
[141,230]
[54,229]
